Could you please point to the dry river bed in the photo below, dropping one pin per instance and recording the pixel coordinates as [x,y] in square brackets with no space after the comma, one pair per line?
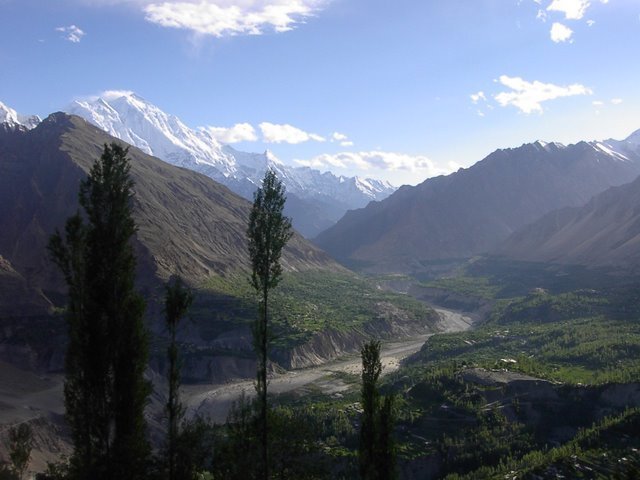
[215,401]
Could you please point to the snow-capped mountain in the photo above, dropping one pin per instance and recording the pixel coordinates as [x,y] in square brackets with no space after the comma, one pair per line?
[312,193]
[626,147]
[9,116]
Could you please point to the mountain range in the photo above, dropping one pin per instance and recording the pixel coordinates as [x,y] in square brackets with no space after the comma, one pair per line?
[316,200]
[203,223]
[473,210]
[187,224]
[469,212]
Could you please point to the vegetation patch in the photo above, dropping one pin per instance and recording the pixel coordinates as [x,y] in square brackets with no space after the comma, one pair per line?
[481,287]
[312,301]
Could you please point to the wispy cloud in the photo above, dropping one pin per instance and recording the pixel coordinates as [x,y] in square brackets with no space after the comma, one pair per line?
[220,18]
[240,132]
[342,139]
[372,160]
[529,96]
[285,133]
[560,33]
[476,97]
[338,137]
[72,33]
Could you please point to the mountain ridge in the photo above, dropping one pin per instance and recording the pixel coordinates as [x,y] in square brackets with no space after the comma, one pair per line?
[472,210]
[202,236]
[127,116]
[603,232]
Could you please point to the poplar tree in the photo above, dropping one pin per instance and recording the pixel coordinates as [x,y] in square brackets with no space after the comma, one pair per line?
[377,450]
[268,232]
[105,390]
[178,299]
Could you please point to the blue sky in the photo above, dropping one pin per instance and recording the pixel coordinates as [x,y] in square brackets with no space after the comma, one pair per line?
[393,89]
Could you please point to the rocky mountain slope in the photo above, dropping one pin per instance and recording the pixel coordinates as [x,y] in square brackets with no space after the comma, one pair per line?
[605,231]
[315,200]
[473,210]
[187,223]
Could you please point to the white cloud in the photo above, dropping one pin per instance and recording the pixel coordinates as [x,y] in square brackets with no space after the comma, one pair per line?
[476,97]
[240,132]
[560,33]
[528,96]
[273,133]
[342,139]
[591,23]
[616,101]
[572,9]
[221,18]
[597,103]
[338,137]
[113,94]
[373,160]
[72,33]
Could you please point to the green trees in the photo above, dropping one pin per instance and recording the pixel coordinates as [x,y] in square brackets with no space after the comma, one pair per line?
[178,299]
[268,232]
[377,450]
[105,391]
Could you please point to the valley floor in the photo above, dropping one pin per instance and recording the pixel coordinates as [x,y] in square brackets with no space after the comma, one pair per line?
[27,397]
[215,401]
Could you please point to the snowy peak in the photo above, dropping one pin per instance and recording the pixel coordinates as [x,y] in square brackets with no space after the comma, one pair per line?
[131,118]
[609,150]
[626,148]
[10,116]
[548,146]
[372,186]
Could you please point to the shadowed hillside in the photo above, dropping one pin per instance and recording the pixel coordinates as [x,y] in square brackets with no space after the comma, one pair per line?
[473,210]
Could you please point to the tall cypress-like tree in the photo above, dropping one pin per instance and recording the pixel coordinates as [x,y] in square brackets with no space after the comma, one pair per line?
[370,399]
[269,231]
[377,449]
[105,390]
[178,299]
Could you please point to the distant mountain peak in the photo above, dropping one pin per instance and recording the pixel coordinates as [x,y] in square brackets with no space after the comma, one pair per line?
[634,138]
[126,115]
[625,148]
[548,146]
[9,116]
